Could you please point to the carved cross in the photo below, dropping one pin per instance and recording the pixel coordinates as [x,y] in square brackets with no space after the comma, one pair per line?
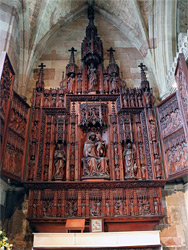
[42,66]
[111,50]
[142,66]
[72,50]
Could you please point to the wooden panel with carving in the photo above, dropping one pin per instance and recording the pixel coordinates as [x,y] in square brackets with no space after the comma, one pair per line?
[114,204]
[173,136]
[181,75]
[7,76]
[16,144]
[14,124]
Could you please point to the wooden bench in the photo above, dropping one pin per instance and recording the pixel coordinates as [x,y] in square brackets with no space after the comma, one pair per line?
[75,224]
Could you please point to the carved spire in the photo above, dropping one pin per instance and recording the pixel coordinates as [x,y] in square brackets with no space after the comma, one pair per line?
[144,82]
[113,68]
[40,81]
[71,68]
[91,30]
[62,83]
[92,49]
[72,59]
[112,59]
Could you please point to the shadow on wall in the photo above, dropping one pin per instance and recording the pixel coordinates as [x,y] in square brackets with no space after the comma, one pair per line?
[14,220]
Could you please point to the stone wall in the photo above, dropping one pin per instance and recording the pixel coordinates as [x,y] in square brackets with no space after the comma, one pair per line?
[174,226]
[18,229]
[10,33]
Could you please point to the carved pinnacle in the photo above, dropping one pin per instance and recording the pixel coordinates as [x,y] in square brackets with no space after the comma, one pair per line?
[72,59]
[112,60]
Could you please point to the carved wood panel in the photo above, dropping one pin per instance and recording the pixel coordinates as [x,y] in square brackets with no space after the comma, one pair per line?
[15,122]
[16,145]
[7,76]
[87,203]
[181,75]
[173,136]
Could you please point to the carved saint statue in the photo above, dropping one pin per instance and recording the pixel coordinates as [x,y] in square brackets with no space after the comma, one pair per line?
[70,82]
[92,74]
[130,164]
[59,161]
[114,84]
[106,82]
[89,146]
[95,162]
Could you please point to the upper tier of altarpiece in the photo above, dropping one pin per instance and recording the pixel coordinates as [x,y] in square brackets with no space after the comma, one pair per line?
[94,148]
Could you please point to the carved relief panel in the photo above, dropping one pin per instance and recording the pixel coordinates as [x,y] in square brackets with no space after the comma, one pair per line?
[173,136]
[7,76]
[119,202]
[181,75]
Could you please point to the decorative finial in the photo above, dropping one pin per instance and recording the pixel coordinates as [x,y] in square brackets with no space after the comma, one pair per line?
[40,81]
[112,60]
[91,10]
[143,74]
[144,81]
[72,59]
[41,66]
[62,83]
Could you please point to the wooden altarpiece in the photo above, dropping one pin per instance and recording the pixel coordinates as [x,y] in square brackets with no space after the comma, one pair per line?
[94,148]
[94,145]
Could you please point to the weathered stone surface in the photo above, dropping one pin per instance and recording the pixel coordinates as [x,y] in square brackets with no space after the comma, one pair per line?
[174,226]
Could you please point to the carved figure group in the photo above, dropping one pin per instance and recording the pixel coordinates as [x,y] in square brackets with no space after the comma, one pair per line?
[171,122]
[177,157]
[95,163]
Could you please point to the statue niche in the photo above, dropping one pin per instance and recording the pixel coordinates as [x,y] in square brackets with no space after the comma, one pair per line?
[130,163]
[59,162]
[92,75]
[95,162]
